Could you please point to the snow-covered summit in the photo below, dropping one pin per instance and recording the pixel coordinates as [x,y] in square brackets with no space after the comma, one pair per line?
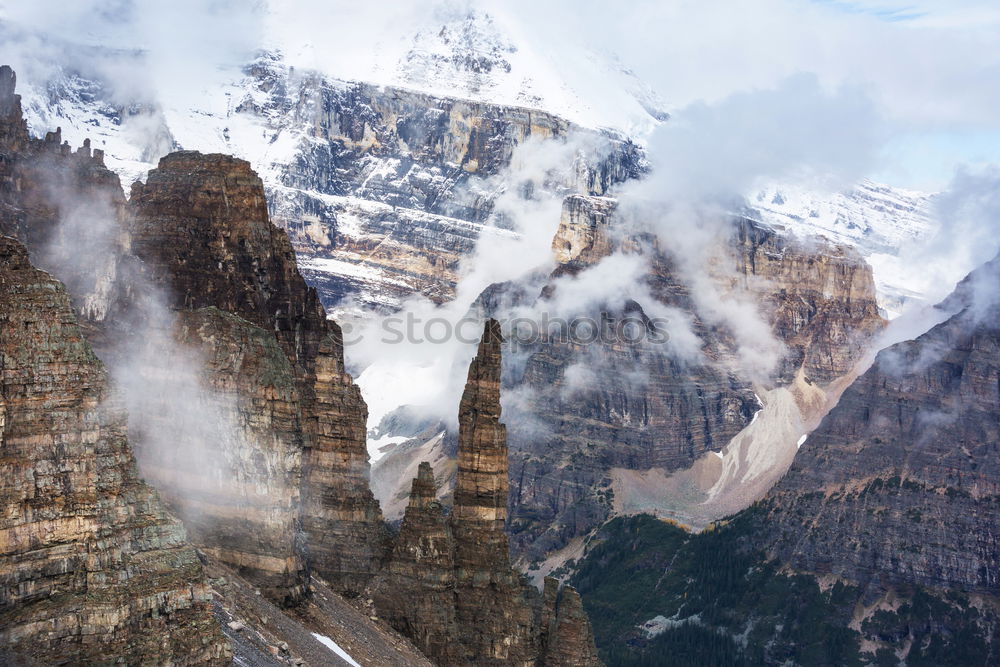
[487,57]
[879,220]
[871,216]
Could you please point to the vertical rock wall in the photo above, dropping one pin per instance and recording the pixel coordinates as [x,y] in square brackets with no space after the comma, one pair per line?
[192,269]
[901,482]
[618,405]
[91,566]
[202,231]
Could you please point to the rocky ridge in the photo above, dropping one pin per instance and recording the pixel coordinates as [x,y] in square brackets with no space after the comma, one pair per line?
[276,485]
[906,462]
[396,186]
[382,189]
[880,539]
[200,225]
[449,584]
[192,267]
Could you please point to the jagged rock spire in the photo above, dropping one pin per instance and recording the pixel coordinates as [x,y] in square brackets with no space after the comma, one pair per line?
[424,489]
[481,488]
[449,585]
[567,637]
[13,128]
[415,592]
[8,82]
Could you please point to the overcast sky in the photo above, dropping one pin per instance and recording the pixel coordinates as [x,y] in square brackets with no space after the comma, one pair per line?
[930,67]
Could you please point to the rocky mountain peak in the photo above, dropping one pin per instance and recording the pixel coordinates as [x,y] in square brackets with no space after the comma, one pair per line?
[424,489]
[13,128]
[449,584]
[200,226]
[467,48]
[481,488]
[8,82]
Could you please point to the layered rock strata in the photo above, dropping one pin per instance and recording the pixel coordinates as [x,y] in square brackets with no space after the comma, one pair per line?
[449,584]
[901,483]
[194,300]
[415,592]
[388,189]
[245,419]
[497,625]
[567,637]
[588,411]
[91,565]
[878,546]
[201,229]
[66,207]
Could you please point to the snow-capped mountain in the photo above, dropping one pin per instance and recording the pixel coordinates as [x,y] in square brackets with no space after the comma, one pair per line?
[873,217]
[879,220]
[495,57]
[265,114]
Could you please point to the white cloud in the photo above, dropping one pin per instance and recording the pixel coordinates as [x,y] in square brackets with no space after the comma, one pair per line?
[930,66]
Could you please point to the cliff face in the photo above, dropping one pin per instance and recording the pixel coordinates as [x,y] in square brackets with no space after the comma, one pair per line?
[90,563]
[881,539]
[819,300]
[238,491]
[901,482]
[415,592]
[603,420]
[201,230]
[449,584]
[194,299]
[387,189]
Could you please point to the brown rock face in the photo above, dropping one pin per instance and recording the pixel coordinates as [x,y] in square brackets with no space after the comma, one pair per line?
[495,623]
[201,228]
[415,592]
[569,637]
[481,488]
[901,482]
[91,566]
[190,290]
[449,584]
[642,409]
[820,300]
[13,128]
[240,500]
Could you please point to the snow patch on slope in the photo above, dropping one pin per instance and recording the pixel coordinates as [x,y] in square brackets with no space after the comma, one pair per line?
[333,646]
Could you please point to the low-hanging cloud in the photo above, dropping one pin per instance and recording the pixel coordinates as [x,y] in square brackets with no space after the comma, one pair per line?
[968,235]
[184,433]
[710,154]
[517,245]
[795,132]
